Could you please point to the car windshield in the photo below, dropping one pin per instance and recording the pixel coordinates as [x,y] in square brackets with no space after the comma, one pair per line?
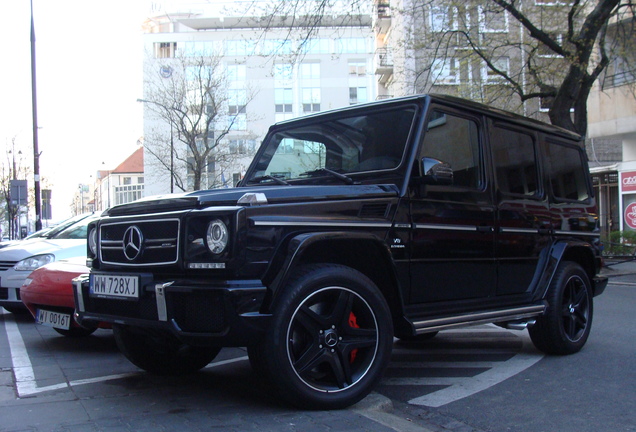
[62,226]
[76,231]
[336,147]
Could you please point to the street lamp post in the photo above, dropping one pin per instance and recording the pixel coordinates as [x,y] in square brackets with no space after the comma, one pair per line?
[36,151]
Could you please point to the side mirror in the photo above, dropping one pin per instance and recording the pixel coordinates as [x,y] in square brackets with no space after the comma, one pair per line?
[436,172]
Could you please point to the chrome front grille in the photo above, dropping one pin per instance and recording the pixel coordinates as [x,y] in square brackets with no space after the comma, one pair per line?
[140,243]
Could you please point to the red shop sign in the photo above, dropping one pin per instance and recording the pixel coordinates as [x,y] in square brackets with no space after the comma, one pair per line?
[628,181]
[630,215]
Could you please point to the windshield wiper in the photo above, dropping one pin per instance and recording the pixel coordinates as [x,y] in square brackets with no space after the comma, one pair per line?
[344,178]
[268,177]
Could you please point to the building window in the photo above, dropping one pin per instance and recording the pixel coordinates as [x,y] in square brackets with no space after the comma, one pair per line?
[358,95]
[236,101]
[199,49]
[236,73]
[318,46]
[283,71]
[311,100]
[128,193]
[445,71]
[357,68]
[242,146]
[283,101]
[310,71]
[351,45]
[489,76]
[241,47]
[165,49]
[269,47]
[444,18]
[493,20]
[127,180]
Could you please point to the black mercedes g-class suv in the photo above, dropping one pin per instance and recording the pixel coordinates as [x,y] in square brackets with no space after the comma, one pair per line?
[351,227]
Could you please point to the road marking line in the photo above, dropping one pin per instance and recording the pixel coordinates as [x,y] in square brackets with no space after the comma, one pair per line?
[424,381]
[469,386]
[22,368]
[445,365]
[26,384]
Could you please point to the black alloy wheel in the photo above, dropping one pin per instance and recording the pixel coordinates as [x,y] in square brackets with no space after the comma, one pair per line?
[566,325]
[330,341]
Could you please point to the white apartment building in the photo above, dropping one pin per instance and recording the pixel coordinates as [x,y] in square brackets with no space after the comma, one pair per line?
[267,83]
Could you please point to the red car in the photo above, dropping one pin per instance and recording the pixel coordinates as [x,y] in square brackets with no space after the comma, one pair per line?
[48,294]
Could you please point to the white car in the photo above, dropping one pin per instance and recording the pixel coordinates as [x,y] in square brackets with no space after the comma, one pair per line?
[19,260]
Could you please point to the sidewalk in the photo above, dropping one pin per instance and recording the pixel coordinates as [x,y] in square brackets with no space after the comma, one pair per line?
[614,268]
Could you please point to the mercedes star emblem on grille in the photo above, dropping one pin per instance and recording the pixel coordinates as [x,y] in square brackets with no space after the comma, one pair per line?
[133,241]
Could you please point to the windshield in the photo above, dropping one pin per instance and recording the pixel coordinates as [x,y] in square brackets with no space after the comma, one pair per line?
[76,231]
[357,143]
[57,229]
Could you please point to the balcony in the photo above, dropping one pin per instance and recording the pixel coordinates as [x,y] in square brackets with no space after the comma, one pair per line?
[381,18]
[383,64]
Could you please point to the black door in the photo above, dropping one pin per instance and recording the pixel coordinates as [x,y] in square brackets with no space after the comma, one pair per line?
[452,247]
[523,234]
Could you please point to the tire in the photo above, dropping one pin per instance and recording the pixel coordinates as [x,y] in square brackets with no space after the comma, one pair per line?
[330,339]
[76,331]
[566,324]
[161,353]
[17,310]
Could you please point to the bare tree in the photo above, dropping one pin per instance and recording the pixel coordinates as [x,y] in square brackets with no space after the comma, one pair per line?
[13,169]
[553,54]
[194,112]
[561,47]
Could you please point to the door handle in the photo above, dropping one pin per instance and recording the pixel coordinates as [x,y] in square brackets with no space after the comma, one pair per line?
[485,229]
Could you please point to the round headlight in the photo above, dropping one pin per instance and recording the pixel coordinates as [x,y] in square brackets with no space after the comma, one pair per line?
[217,236]
[92,241]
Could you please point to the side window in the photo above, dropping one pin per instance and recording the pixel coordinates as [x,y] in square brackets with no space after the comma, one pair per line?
[515,162]
[454,140]
[566,170]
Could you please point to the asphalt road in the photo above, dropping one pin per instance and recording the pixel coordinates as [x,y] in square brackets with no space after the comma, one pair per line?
[477,379]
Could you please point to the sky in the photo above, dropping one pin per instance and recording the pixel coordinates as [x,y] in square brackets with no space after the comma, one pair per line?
[89,75]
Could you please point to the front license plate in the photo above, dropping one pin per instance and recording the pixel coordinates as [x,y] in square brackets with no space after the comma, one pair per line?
[114,286]
[53,319]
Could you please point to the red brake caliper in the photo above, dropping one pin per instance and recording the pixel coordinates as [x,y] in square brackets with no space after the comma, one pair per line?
[353,322]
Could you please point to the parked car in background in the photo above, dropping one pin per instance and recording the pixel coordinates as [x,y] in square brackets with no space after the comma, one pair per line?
[19,260]
[48,294]
[46,232]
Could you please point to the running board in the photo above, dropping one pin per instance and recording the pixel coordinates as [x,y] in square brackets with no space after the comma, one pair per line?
[516,314]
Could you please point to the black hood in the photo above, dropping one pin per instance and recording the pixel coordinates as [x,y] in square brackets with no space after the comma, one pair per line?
[266,195]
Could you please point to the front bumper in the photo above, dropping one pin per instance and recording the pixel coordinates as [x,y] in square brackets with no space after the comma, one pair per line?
[202,312]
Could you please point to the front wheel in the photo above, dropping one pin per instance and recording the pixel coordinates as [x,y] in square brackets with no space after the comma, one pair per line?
[330,339]
[566,325]
[161,353]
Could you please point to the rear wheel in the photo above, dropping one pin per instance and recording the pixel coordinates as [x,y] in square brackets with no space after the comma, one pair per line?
[161,353]
[565,326]
[330,339]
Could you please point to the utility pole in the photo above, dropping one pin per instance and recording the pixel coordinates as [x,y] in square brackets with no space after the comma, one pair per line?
[36,151]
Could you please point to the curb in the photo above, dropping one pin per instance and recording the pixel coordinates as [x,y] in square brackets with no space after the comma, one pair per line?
[379,409]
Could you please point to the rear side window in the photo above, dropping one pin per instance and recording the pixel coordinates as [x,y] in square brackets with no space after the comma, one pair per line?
[515,162]
[566,169]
